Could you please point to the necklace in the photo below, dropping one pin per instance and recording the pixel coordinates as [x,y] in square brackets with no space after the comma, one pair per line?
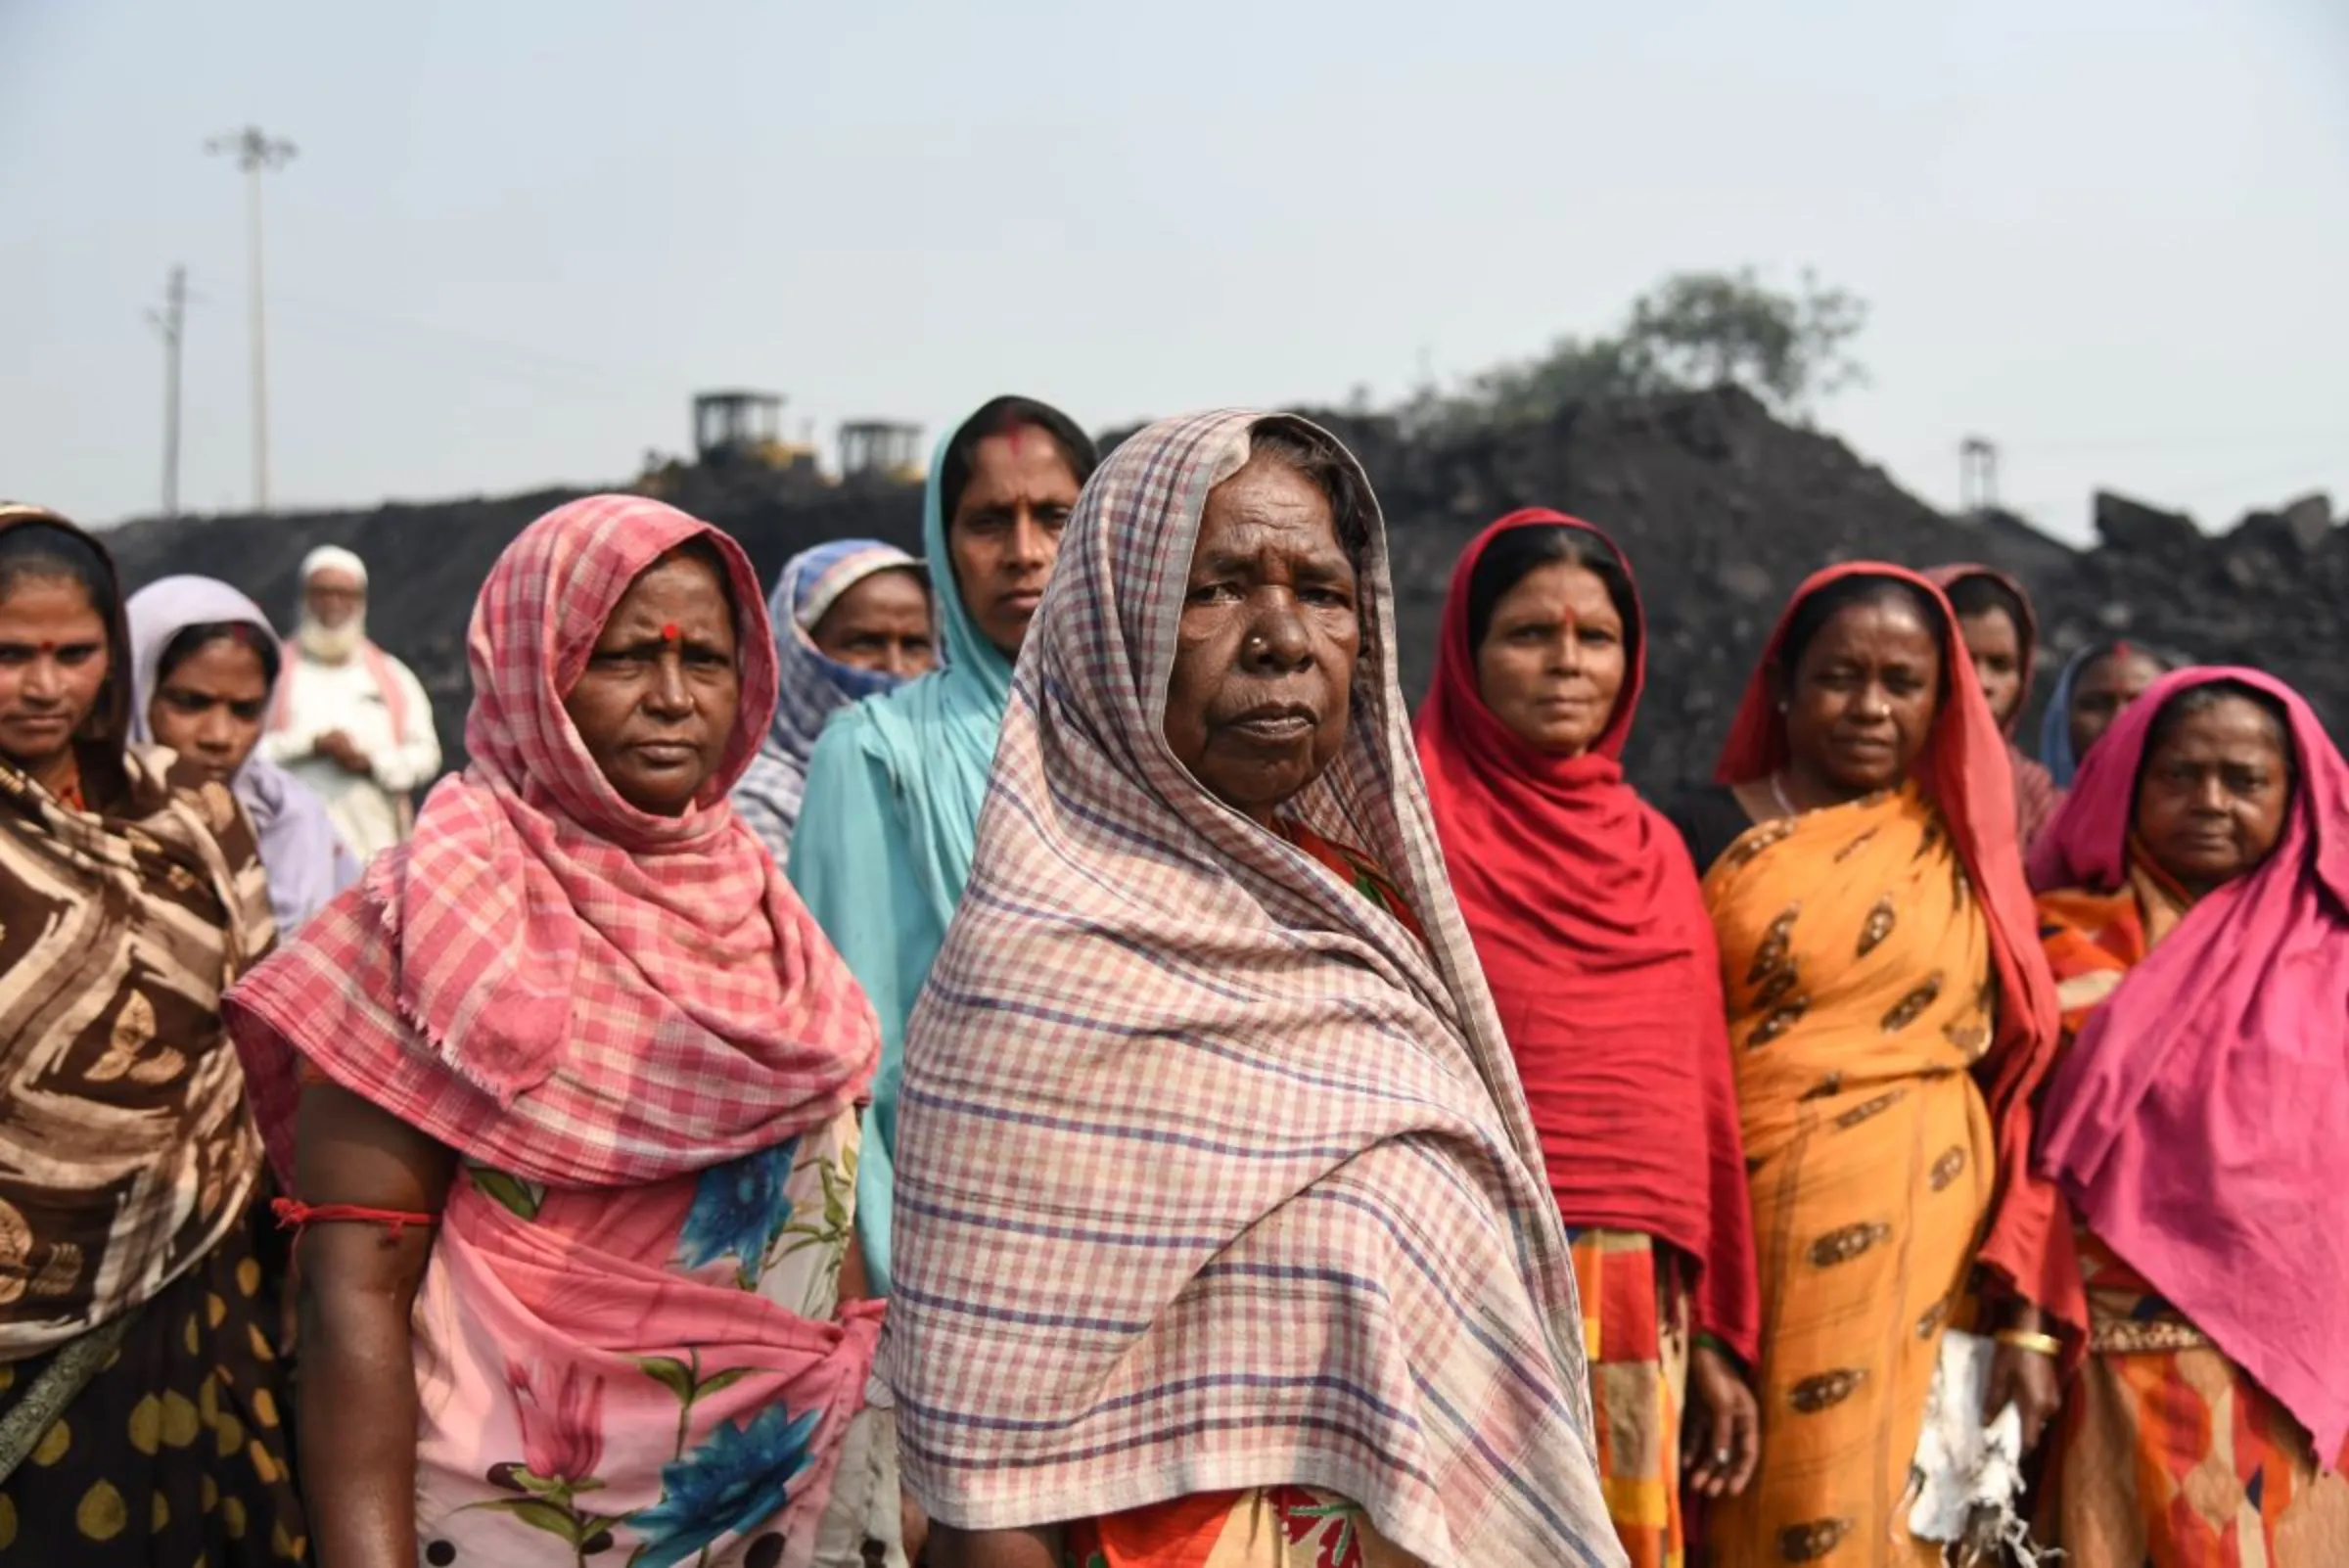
[1778,793]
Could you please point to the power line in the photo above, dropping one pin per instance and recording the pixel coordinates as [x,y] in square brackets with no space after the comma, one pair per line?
[256,154]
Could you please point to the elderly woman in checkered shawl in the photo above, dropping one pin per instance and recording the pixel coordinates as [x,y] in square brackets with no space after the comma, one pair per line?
[1223,1233]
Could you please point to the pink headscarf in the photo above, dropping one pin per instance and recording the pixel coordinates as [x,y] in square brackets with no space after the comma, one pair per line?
[2201,1122]
[548,979]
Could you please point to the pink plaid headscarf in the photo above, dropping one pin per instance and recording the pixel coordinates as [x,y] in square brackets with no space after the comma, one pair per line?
[547,978]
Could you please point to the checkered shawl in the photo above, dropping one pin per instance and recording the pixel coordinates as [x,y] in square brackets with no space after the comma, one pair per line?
[547,978]
[1209,1175]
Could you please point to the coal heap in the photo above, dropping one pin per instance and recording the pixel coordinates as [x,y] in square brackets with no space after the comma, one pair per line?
[1722,509]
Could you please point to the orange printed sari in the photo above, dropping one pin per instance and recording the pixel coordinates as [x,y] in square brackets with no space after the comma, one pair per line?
[2167,1455]
[1857,961]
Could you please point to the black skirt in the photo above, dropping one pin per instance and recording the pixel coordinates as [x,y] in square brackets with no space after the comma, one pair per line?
[177,1452]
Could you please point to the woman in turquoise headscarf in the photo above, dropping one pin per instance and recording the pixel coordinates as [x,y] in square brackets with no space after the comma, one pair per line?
[891,812]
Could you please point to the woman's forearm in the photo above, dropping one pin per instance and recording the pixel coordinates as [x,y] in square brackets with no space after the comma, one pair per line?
[358,1426]
[359,1276]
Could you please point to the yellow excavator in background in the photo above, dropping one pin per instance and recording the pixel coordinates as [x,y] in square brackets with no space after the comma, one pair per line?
[738,434]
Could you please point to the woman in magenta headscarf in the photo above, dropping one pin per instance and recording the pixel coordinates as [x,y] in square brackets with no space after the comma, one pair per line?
[2195,909]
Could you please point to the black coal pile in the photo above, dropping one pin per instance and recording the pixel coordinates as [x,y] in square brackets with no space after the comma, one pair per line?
[1722,509]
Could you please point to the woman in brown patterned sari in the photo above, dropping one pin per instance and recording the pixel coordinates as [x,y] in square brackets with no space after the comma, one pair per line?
[141,1399]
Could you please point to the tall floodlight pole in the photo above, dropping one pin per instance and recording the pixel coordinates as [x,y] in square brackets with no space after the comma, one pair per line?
[169,322]
[255,154]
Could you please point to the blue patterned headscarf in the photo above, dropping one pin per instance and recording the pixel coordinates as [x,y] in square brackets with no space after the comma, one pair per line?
[812,686]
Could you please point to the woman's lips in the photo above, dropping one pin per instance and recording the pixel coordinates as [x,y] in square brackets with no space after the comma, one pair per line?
[1278,722]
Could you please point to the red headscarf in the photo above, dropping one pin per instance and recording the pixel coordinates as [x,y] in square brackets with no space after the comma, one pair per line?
[548,979]
[1964,772]
[1600,958]
[2201,1122]
[2036,796]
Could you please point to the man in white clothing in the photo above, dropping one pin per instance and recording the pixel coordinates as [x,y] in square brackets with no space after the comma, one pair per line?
[351,722]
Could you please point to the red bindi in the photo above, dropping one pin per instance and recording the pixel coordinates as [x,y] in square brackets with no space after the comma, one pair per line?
[669,632]
[48,647]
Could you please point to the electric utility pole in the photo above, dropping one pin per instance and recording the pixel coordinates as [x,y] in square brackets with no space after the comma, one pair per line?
[1978,476]
[167,323]
[256,154]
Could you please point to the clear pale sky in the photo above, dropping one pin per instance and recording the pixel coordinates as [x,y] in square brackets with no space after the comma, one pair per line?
[2109,234]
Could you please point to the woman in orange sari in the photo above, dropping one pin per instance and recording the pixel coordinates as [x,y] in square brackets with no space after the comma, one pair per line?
[1889,1014]
[2196,921]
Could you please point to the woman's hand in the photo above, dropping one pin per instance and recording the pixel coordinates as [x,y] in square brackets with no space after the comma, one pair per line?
[2026,1379]
[1720,1435]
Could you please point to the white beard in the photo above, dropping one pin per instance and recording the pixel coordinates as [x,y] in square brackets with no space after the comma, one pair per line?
[329,645]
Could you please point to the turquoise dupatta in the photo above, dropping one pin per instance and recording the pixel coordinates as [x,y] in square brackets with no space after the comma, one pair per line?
[884,843]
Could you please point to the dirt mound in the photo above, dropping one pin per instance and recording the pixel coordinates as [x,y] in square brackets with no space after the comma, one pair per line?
[1722,509]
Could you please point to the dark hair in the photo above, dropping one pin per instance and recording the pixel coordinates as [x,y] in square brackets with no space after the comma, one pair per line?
[2208,695]
[2165,660]
[1812,615]
[1978,593]
[186,642]
[1315,454]
[56,553]
[1514,555]
[1000,416]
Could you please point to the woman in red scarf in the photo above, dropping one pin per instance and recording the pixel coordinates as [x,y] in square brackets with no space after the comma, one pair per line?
[1592,935]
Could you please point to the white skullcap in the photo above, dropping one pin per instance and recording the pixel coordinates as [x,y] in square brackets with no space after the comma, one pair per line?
[333,557]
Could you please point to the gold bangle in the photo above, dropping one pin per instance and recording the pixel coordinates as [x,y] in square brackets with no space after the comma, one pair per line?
[2025,1339]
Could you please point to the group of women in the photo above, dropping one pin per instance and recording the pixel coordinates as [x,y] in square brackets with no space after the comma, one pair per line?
[1032,1055]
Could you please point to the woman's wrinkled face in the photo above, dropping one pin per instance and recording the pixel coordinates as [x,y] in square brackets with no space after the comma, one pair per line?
[657,703]
[1555,658]
[1995,645]
[2104,691]
[209,707]
[1864,697]
[2212,797]
[1005,532]
[1263,660]
[881,625]
[52,666]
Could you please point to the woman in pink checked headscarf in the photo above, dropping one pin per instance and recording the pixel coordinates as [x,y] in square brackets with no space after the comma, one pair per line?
[2196,910]
[570,1084]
